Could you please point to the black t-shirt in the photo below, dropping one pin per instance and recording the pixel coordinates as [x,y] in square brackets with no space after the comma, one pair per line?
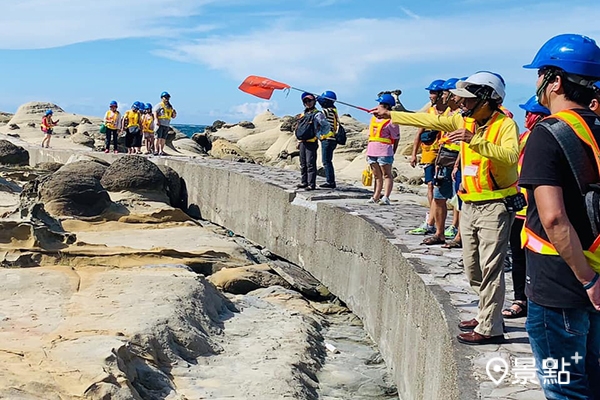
[550,281]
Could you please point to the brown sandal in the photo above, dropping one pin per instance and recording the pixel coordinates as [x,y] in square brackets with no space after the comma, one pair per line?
[433,240]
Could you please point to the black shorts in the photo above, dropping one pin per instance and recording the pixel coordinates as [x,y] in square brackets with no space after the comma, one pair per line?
[131,134]
[162,132]
[49,132]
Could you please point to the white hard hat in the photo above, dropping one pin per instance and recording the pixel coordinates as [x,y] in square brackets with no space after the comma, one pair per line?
[482,78]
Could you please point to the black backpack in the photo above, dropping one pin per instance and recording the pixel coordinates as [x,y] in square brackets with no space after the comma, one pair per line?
[429,137]
[340,135]
[305,130]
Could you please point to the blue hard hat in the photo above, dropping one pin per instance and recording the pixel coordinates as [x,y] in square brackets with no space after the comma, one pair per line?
[306,94]
[532,105]
[329,94]
[435,85]
[136,105]
[113,103]
[48,112]
[165,94]
[597,85]
[148,106]
[450,84]
[575,54]
[386,99]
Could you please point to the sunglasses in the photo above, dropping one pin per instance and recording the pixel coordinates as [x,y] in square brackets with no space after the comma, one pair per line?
[308,100]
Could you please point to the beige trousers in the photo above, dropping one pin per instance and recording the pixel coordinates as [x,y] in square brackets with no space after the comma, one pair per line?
[485,230]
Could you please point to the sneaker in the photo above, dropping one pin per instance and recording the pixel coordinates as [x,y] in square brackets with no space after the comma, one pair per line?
[107,151]
[423,230]
[328,185]
[302,185]
[372,201]
[384,201]
[450,232]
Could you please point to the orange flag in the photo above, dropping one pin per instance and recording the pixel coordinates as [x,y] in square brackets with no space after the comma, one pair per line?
[261,87]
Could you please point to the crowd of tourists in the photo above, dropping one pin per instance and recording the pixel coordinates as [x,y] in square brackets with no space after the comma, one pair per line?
[142,125]
[537,192]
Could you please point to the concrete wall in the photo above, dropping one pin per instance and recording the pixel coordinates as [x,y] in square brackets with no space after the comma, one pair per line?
[353,257]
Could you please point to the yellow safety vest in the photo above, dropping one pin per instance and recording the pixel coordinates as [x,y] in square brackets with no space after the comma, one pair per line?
[477,181]
[429,151]
[46,124]
[147,121]
[375,130]
[167,112]
[444,141]
[111,118]
[522,142]
[532,240]
[133,118]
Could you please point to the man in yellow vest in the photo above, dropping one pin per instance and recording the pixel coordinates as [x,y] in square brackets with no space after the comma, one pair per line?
[427,141]
[489,154]
[163,114]
[563,260]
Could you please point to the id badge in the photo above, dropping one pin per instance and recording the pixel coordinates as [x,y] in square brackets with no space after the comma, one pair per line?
[470,170]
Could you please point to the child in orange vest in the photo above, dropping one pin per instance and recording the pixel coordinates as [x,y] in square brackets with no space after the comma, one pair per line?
[47,125]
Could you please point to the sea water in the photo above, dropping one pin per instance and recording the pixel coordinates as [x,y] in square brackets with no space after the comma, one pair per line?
[189,130]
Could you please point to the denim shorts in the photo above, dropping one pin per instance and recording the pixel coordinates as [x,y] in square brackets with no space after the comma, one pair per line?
[429,173]
[387,160]
[161,132]
[443,190]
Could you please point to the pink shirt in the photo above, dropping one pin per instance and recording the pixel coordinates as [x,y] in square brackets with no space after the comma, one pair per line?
[378,149]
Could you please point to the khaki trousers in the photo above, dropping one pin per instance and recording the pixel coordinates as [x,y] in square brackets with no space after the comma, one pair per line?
[485,230]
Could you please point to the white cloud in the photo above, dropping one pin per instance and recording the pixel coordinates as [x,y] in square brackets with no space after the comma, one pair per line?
[35,24]
[343,52]
[410,13]
[251,110]
[246,110]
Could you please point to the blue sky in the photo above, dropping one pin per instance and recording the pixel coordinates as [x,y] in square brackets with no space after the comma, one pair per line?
[81,54]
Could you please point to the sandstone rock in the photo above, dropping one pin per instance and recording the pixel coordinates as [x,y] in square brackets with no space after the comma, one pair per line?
[242,280]
[85,120]
[86,157]
[247,125]
[288,124]
[11,154]
[62,131]
[92,131]
[48,166]
[174,186]
[13,127]
[14,135]
[34,111]
[86,168]
[83,139]
[5,117]
[218,124]
[31,124]
[203,141]
[70,193]
[226,150]
[415,181]
[132,173]
[188,145]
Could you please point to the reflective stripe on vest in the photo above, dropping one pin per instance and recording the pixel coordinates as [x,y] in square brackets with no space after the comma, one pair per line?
[522,142]
[167,112]
[133,118]
[111,118]
[536,244]
[530,239]
[147,123]
[375,129]
[476,170]
[332,117]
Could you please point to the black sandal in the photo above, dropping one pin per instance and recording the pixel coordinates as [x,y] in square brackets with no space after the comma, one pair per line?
[512,313]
